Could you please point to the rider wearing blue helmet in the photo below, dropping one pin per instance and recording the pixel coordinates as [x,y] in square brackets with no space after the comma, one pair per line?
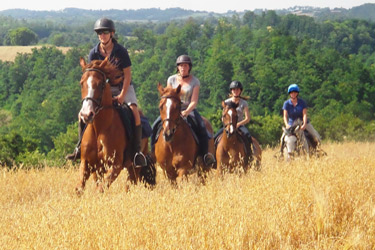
[295,108]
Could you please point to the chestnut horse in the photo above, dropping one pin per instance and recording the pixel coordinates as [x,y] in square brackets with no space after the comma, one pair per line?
[176,150]
[105,144]
[231,149]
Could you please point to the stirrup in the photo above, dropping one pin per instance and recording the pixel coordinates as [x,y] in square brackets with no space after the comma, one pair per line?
[140,159]
[74,156]
[208,159]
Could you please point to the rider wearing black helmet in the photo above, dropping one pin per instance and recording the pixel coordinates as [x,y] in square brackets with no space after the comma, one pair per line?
[118,55]
[243,113]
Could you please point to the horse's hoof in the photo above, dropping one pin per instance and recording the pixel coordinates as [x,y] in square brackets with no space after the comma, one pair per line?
[79,191]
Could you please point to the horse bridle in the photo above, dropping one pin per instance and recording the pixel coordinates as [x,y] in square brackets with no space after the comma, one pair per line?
[176,121]
[226,124]
[102,85]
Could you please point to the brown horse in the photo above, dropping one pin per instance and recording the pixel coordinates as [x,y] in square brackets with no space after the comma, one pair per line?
[231,149]
[176,150]
[105,144]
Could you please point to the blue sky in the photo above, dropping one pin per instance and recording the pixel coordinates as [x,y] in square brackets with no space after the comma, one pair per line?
[219,6]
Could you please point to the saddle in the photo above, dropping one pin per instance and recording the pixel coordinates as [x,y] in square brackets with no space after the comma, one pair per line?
[245,140]
[127,118]
[192,125]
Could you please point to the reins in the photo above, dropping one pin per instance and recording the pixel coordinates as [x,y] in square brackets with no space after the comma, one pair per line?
[103,84]
[178,120]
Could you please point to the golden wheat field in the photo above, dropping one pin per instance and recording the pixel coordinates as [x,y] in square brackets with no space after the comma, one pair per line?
[9,53]
[326,203]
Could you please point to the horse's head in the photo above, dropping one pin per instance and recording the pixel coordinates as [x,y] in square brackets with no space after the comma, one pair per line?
[170,110]
[295,137]
[95,90]
[229,117]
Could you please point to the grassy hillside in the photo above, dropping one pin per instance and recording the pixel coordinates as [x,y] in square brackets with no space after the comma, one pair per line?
[9,53]
[326,203]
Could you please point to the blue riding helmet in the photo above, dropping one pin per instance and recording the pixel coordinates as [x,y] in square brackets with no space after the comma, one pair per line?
[293,87]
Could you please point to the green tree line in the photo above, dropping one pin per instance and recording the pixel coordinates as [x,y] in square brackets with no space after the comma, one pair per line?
[332,62]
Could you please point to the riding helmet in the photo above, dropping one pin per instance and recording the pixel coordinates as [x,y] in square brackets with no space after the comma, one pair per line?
[104,24]
[183,59]
[293,87]
[235,84]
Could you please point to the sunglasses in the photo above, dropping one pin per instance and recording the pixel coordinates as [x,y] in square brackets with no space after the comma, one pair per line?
[106,32]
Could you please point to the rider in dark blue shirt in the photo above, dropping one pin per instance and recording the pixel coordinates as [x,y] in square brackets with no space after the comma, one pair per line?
[123,93]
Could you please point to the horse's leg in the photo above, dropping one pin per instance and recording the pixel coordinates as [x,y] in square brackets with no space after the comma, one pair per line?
[219,161]
[134,176]
[84,174]
[171,174]
[257,153]
[111,175]
[181,175]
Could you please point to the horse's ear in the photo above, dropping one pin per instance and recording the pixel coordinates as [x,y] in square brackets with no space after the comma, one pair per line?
[223,104]
[178,89]
[82,62]
[160,88]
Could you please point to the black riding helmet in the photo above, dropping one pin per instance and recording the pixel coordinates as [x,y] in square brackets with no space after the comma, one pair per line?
[184,59]
[235,84]
[104,24]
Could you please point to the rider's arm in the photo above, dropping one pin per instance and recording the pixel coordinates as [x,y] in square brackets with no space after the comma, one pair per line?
[304,118]
[285,117]
[126,83]
[193,102]
[247,117]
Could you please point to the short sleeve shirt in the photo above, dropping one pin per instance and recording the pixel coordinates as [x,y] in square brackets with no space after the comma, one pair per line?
[240,109]
[294,112]
[186,90]
[119,55]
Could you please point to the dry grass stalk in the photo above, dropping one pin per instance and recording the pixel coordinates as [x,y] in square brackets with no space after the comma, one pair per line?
[326,203]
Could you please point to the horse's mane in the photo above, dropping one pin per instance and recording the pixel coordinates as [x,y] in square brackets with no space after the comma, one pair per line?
[112,72]
[170,91]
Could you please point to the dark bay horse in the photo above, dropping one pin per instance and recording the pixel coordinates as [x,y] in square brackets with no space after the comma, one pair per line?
[176,150]
[231,151]
[105,144]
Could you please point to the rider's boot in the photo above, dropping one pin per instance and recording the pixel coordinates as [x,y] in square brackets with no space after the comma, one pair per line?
[139,157]
[77,150]
[208,158]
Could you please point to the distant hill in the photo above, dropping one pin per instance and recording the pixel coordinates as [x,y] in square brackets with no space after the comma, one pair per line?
[71,15]
[153,14]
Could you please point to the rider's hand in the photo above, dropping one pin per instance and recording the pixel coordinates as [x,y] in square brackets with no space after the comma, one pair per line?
[287,126]
[119,99]
[303,127]
[184,113]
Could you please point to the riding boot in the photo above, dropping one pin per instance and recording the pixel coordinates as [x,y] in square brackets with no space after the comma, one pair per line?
[139,157]
[77,150]
[208,158]
[249,143]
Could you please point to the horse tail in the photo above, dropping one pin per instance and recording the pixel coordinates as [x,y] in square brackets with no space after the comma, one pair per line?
[148,173]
